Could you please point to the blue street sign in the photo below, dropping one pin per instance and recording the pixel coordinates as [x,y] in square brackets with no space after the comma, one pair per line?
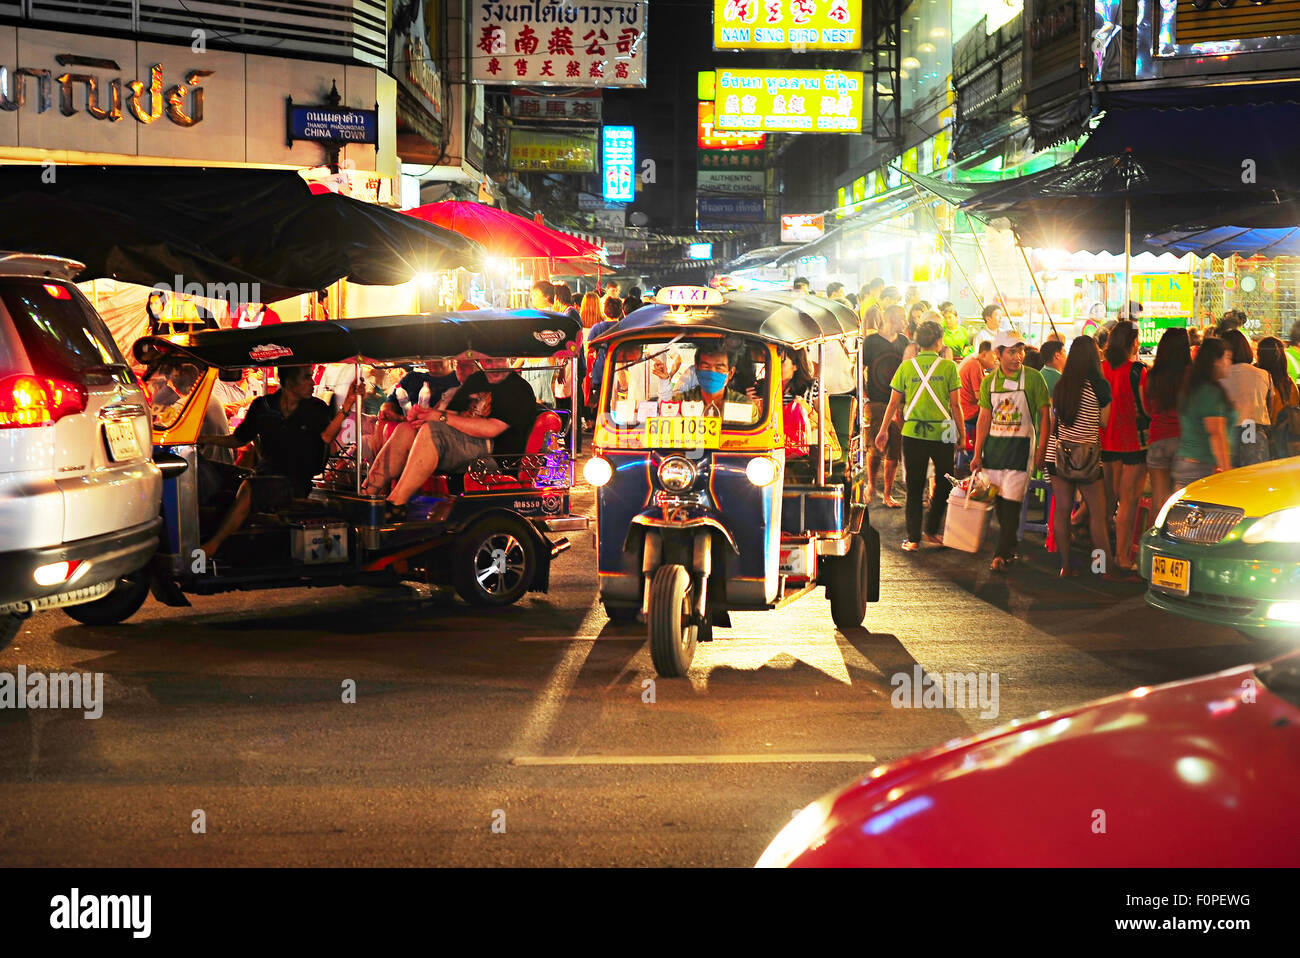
[325,124]
[618,158]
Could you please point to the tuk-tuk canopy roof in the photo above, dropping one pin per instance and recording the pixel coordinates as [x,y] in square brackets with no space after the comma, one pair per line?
[517,333]
[789,319]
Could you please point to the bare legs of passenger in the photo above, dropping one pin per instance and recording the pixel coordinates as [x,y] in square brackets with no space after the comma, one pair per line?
[420,465]
[391,459]
[235,518]
[887,497]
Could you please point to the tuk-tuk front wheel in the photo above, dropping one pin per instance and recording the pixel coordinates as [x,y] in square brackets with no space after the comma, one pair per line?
[846,585]
[668,626]
[495,562]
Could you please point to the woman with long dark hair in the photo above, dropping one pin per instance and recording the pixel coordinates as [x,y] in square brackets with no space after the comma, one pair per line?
[1124,437]
[1271,357]
[1081,406]
[1160,396]
[1207,419]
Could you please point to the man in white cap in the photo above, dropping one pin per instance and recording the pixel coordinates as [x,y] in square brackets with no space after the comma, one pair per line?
[1014,409]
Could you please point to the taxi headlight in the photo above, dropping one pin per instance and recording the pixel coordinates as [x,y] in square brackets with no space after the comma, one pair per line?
[761,470]
[793,840]
[677,474]
[1169,504]
[597,471]
[1282,526]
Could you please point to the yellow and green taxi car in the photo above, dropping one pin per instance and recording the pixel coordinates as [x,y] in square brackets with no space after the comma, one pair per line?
[1226,549]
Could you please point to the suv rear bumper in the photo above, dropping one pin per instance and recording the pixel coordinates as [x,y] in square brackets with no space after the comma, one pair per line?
[102,559]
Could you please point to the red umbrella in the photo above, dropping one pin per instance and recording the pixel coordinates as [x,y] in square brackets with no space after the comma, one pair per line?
[505,234]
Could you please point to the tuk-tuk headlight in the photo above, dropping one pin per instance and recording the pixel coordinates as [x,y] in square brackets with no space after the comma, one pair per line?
[761,470]
[677,474]
[597,471]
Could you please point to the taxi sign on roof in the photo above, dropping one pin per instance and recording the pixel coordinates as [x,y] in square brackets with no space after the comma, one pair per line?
[689,296]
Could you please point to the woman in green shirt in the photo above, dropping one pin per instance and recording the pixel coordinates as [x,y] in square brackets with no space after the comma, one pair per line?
[926,388]
[1206,416]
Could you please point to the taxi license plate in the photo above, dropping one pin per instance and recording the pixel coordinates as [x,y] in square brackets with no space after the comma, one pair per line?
[683,432]
[122,444]
[1172,575]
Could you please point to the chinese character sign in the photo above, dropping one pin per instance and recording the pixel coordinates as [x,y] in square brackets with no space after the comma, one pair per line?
[618,159]
[788,101]
[559,43]
[787,24]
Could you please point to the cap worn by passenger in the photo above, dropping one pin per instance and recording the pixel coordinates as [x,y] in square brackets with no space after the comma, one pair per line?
[1008,338]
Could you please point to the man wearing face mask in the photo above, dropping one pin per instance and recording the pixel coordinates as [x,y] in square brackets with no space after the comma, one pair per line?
[713,372]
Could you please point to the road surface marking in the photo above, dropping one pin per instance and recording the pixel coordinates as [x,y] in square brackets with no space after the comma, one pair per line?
[760,758]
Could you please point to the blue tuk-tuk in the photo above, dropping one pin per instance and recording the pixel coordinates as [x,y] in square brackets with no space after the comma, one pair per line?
[730,464]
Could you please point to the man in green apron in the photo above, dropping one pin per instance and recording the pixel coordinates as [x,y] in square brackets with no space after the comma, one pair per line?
[1014,402]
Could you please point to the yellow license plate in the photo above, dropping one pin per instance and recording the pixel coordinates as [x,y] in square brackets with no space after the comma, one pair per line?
[1173,575]
[683,432]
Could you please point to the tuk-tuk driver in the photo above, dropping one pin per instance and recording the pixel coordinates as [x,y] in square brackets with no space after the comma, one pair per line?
[713,371]
[296,430]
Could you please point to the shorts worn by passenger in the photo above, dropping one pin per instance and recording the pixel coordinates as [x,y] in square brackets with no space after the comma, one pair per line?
[1137,457]
[456,450]
[1186,471]
[894,439]
[1161,453]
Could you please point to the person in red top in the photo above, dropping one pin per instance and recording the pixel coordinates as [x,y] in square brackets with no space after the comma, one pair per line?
[1160,397]
[971,372]
[1124,437]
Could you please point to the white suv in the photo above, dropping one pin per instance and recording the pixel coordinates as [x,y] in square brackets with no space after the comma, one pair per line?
[79,494]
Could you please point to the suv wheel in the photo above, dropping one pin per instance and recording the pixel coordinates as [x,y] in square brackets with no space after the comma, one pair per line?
[118,606]
[10,625]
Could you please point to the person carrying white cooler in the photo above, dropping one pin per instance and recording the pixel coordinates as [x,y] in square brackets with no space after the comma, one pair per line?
[1011,433]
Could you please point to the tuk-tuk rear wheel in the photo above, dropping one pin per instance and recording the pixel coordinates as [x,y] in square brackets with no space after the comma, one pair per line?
[846,585]
[672,638]
[495,562]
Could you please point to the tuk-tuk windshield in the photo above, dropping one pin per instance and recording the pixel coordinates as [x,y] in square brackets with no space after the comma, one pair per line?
[696,378]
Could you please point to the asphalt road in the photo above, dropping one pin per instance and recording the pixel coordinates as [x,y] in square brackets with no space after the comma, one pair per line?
[529,736]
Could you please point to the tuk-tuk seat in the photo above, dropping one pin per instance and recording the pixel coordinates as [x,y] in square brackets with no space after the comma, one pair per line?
[842,412]
[547,422]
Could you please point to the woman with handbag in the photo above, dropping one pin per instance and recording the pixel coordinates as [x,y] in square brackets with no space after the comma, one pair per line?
[1080,407]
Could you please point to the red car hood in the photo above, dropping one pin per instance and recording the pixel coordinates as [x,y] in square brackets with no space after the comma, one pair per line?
[1204,772]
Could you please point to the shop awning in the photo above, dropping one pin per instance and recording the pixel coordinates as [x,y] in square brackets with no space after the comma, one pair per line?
[150,225]
[1229,241]
[817,247]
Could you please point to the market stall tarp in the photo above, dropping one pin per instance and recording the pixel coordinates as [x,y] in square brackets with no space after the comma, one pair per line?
[149,225]
[1227,241]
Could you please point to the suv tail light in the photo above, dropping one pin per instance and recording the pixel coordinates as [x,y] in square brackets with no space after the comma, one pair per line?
[32,401]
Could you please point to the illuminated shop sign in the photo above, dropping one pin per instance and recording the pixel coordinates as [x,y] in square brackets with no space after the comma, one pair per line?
[787,24]
[789,101]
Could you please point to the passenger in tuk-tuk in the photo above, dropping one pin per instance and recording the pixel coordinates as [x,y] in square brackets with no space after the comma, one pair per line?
[395,436]
[492,412]
[799,417]
[714,368]
[296,430]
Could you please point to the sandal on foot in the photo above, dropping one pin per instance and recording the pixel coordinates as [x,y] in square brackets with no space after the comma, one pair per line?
[910,546]
[891,503]
[999,564]
[932,540]
[393,512]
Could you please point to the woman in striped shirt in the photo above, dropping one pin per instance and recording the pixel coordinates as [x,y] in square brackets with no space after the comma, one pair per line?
[1080,407]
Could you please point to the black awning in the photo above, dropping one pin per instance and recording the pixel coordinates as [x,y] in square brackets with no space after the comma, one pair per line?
[149,225]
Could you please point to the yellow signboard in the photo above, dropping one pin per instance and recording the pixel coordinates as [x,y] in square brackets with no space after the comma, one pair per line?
[787,24]
[788,101]
[553,152]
